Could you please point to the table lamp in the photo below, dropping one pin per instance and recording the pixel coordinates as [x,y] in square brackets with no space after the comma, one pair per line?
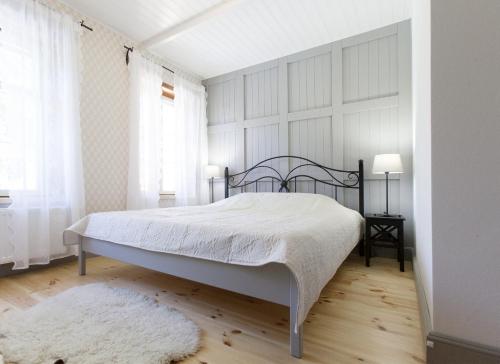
[387,164]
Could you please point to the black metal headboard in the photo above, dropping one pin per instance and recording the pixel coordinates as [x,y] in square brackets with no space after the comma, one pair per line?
[337,178]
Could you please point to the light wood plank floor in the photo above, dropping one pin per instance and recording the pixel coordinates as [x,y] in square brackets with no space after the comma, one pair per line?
[364,315]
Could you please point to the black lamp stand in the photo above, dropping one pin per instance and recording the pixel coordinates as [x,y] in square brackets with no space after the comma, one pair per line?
[386,212]
[212,188]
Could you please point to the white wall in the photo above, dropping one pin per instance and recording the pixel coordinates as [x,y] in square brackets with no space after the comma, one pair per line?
[465,67]
[422,200]
[334,104]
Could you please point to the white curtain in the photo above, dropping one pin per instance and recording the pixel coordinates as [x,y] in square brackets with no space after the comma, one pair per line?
[191,137]
[40,151]
[144,133]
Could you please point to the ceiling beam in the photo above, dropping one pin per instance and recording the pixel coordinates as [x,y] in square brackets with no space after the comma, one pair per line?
[170,33]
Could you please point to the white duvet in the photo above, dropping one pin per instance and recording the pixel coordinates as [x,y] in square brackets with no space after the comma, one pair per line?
[311,234]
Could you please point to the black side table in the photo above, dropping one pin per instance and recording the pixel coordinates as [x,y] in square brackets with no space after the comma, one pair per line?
[385,231]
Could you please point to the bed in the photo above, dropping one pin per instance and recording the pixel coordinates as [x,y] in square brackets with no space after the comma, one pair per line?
[279,247]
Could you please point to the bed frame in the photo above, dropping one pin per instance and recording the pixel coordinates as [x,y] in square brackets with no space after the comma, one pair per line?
[272,282]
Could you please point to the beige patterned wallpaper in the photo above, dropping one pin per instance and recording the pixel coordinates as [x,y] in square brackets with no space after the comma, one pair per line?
[104,112]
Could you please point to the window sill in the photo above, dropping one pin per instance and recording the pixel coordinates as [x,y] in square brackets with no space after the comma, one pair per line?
[5,202]
[167,196]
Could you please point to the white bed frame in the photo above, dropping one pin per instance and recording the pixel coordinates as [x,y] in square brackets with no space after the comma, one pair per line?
[271,282]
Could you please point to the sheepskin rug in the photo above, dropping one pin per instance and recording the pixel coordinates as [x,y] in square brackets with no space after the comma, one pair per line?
[96,323]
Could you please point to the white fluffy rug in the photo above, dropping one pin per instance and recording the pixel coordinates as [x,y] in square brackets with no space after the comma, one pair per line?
[97,324]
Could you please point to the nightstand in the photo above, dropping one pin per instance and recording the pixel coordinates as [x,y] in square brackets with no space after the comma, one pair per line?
[384,231]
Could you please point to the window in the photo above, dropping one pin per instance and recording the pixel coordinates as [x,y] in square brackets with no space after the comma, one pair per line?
[168,160]
[4,142]
[17,98]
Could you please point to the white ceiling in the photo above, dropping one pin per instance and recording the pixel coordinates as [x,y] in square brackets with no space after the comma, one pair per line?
[247,33]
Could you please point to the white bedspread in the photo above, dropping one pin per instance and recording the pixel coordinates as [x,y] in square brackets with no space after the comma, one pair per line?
[311,234]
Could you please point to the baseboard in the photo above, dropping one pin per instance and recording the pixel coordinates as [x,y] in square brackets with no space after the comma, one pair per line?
[442,349]
[423,305]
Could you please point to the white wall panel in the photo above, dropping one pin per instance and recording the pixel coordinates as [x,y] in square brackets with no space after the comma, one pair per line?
[261,143]
[222,149]
[375,196]
[221,108]
[310,83]
[370,69]
[261,93]
[311,139]
[367,133]
[223,152]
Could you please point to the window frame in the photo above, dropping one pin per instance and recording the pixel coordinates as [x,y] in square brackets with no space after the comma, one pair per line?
[5,199]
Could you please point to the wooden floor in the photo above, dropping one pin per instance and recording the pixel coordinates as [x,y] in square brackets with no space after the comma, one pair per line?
[367,315]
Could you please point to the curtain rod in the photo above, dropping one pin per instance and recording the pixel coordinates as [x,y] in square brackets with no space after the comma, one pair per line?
[82,23]
[131,49]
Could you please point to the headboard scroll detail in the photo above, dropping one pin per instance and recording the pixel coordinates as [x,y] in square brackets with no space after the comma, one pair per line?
[304,170]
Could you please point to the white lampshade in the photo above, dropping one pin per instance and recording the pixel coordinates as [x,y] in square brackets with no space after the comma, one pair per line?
[212,171]
[387,163]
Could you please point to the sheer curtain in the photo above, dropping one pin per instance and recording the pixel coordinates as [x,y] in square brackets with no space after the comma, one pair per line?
[144,133]
[191,149]
[40,151]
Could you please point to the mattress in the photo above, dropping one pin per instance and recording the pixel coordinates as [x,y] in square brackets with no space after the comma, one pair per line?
[311,234]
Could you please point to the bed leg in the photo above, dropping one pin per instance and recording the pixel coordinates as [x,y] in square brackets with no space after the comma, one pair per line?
[81,260]
[295,337]
[296,342]
[361,247]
